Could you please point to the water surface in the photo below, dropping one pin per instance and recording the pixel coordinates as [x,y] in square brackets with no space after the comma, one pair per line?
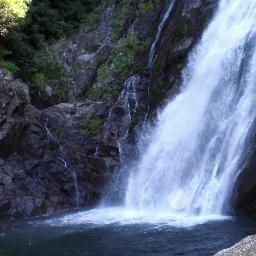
[70,236]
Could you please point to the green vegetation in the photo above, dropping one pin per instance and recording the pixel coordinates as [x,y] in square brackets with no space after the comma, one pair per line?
[8,18]
[18,7]
[146,5]
[48,71]
[8,66]
[183,29]
[91,127]
[10,13]
[29,26]
[123,58]
[121,63]
[93,17]
[124,54]
[99,92]
[120,17]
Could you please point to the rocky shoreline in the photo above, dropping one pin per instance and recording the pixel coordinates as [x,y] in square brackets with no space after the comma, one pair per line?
[247,247]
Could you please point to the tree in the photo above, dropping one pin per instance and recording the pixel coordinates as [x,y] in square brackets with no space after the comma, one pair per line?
[8,18]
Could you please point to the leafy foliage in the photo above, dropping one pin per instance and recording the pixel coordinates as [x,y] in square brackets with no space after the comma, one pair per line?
[183,29]
[18,7]
[48,71]
[146,5]
[122,62]
[123,58]
[120,17]
[98,92]
[21,36]
[8,66]
[91,127]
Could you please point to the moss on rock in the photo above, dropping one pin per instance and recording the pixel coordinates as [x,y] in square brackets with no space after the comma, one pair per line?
[91,127]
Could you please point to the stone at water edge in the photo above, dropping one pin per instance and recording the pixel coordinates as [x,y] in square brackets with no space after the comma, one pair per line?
[247,247]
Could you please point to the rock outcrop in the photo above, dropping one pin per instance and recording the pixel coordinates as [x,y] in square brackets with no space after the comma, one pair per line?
[247,247]
[47,163]
[243,196]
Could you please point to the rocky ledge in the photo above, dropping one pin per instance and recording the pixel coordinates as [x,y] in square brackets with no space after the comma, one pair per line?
[247,247]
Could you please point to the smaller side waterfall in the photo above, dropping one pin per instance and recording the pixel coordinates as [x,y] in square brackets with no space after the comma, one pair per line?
[128,98]
[160,28]
[61,157]
[76,188]
[129,95]
[128,101]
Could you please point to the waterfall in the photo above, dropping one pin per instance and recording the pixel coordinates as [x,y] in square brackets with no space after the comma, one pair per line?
[190,158]
[200,141]
[160,28]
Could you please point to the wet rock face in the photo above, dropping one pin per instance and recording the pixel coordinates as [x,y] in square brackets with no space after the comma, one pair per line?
[55,157]
[46,164]
[13,98]
[243,196]
[180,34]
[48,161]
[91,161]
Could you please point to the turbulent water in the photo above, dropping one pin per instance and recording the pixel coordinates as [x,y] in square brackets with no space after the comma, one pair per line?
[201,139]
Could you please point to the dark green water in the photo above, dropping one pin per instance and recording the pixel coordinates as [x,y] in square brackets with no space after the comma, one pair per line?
[38,238]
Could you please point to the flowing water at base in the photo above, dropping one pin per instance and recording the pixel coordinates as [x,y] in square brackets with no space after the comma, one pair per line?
[128,216]
[117,232]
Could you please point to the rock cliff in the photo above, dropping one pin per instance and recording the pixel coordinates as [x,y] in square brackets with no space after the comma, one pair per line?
[60,153]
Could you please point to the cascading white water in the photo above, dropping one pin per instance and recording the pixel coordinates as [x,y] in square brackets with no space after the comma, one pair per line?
[198,145]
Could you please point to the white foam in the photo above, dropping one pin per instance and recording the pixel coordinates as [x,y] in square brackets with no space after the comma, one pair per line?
[123,216]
